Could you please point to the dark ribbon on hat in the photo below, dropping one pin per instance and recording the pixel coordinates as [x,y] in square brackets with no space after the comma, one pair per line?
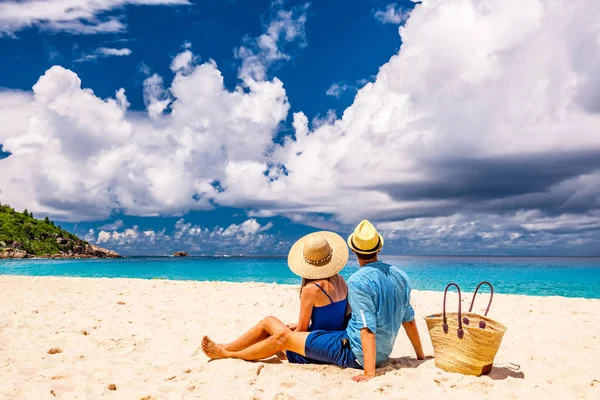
[366,251]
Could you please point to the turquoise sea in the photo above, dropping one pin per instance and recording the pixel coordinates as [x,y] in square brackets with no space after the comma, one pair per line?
[552,276]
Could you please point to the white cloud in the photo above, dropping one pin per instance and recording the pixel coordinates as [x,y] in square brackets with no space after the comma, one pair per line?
[71,16]
[79,156]
[284,27]
[183,62]
[337,89]
[118,160]
[481,233]
[90,235]
[103,237]
[503,84]
[393,14]
[112,225]
[104,52]
[247,237]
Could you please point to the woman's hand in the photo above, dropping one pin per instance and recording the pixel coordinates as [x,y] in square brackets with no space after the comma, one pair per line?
[292,326]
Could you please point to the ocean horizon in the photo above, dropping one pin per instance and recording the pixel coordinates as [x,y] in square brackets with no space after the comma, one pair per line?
[524,275]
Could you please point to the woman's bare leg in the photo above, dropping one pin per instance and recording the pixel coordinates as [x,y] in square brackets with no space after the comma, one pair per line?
[261,331]
[280,341]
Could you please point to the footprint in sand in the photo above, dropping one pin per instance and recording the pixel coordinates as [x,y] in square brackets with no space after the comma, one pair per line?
[283,396]
[259,369]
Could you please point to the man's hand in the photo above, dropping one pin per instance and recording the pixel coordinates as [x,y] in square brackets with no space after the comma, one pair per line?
[363,378]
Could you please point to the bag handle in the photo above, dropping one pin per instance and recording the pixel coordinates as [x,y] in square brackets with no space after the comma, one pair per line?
[482,323]
[460,332]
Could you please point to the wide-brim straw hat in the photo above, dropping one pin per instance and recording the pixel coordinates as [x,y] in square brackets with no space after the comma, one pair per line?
[365,239]
[318,255]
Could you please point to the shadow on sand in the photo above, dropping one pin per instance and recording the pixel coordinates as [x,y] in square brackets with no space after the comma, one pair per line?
[501,373]
[393,364]
[498,372]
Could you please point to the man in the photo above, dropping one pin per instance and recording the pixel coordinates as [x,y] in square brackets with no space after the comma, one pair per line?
[379,295]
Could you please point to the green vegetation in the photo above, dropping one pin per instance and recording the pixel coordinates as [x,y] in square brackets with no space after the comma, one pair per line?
[37,237]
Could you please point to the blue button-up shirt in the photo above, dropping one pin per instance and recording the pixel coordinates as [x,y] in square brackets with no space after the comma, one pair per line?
[379,295]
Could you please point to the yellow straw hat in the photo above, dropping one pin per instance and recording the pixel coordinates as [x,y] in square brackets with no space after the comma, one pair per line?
[365,239]
[318,255]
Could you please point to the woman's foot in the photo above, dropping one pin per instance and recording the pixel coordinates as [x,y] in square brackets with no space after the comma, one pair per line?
[211,349]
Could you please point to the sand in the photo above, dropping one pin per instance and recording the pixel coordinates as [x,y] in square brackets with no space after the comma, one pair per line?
[137,339]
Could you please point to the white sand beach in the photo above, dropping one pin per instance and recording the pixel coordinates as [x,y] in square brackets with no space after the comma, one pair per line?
[142,335]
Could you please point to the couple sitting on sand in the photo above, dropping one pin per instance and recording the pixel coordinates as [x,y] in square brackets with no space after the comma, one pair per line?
[352,326]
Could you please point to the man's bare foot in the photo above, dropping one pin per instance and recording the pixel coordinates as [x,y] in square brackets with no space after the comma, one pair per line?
[211,349]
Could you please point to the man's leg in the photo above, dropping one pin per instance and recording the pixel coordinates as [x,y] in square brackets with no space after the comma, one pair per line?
[280,341]
[265,328]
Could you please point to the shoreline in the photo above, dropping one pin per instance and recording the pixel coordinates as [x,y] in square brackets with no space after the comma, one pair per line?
[289,285]
[77,336]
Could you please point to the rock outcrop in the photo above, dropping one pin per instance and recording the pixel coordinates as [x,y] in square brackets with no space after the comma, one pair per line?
[180,254]
[79,251]
[12,253]
[97,251]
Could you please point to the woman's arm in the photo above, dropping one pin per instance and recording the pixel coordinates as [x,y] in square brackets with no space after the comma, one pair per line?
[307,300]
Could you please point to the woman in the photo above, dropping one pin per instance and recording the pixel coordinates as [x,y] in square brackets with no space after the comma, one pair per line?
[316,258]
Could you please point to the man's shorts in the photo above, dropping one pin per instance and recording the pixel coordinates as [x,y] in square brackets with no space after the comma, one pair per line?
[325,347]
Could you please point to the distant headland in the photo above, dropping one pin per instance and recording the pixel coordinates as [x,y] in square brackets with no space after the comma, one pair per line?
[23,236]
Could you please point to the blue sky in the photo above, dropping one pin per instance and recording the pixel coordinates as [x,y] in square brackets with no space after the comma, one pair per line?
[238,126]
[345,44]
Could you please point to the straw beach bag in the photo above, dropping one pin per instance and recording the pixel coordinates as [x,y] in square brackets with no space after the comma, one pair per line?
[465,342]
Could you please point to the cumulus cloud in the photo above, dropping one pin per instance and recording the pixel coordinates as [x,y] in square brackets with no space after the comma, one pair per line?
[248,237]
[487,115]
[71,16]
[77,156]
[102,52]
[456,124]
[183,62]
[393,14]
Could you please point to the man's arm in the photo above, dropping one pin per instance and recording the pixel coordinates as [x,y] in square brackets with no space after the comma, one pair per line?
[368,341]
[361,302]
[413,335]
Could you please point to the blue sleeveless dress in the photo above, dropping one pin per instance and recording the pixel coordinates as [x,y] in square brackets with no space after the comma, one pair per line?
[331,317]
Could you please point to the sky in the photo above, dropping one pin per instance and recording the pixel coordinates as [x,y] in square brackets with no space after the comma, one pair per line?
[458,127]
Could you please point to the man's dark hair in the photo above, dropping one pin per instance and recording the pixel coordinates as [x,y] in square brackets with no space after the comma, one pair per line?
[366,257]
